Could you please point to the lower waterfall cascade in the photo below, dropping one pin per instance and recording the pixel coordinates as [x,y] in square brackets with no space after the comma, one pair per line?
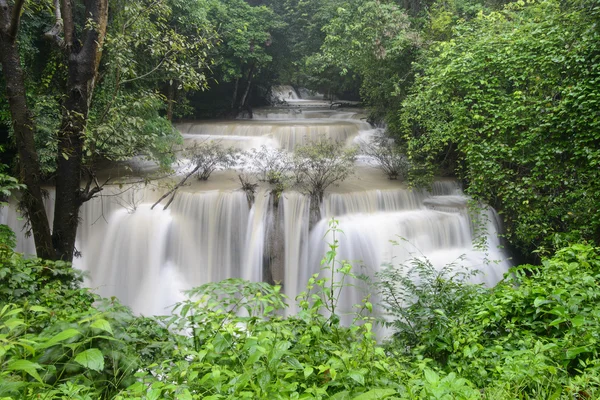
[147,257]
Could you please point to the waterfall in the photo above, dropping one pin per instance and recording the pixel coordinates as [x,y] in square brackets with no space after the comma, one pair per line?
[253,134]
[147,257]
[296,209]
[283,93]
[258,223]
[129,261]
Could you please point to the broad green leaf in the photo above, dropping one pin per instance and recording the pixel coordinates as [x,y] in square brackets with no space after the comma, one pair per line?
[308,371]
[102,324]
[375,394]
[13,323]
[39,309]
[357,376]
[92,359]
[341,395]
[26,366]
[575,351]
[579,320]
[431,376]
[59,337]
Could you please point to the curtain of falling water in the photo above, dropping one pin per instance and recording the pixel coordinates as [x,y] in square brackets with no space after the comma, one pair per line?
[296,208]
[210,231]
[284,135]
[130,260]
[254,249]
[146,257]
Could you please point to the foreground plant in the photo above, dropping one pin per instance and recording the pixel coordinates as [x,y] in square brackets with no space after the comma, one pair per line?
[534,336]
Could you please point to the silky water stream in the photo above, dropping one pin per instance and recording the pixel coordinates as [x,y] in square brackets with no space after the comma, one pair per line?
[147,257]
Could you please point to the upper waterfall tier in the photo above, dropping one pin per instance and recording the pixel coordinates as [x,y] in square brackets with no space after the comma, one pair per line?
[287,113]
[253,134]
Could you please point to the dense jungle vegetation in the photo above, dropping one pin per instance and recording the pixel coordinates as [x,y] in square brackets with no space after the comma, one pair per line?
[503,95]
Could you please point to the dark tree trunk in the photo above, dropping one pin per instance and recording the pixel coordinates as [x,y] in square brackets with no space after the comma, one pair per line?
[235,93]
[170,100]
[23,127]
[83,64]
[248,86]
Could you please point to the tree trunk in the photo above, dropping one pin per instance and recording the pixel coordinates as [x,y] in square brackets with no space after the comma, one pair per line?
[235,93]
[82,69]
[170,100]
[245,96]
[23,127]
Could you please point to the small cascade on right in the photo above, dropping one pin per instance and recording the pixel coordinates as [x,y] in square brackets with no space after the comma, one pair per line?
[397,226]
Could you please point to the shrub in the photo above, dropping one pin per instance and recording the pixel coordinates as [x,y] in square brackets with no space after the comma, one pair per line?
[387,156]
[210,156]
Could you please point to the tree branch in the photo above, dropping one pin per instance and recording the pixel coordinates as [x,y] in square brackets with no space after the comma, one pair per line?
[15,19]
[153,70]
[67,15]
[54,32]
[172,191]
[89,193]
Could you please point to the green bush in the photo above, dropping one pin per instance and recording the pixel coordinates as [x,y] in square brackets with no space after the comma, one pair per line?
[535,335]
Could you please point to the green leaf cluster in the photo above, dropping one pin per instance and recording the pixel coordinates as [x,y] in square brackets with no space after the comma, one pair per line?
[510,103]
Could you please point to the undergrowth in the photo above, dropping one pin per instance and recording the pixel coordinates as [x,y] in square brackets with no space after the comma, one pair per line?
[534,336]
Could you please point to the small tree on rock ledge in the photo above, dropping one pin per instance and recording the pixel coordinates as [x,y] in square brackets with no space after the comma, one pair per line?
[210,156]
[319,165]
[386,155]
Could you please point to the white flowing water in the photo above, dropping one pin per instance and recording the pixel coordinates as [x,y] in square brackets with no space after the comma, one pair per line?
[147,257]
[281,134]
[284,92]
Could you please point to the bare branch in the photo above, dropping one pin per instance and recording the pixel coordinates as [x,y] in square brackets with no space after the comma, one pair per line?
[54,32]
[15,19]
[153,70]
[172,191]
[89,193]
[170,201]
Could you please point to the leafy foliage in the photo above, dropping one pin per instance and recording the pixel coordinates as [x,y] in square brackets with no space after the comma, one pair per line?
[516,116]
[228,340]
[8,184]
[373,40]
[532,336]
[422,303]
[271,165]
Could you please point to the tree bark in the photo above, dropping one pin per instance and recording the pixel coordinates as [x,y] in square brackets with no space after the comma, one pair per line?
[170,100]
[83,62]
[245,96]
[235,93]
[23,128]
